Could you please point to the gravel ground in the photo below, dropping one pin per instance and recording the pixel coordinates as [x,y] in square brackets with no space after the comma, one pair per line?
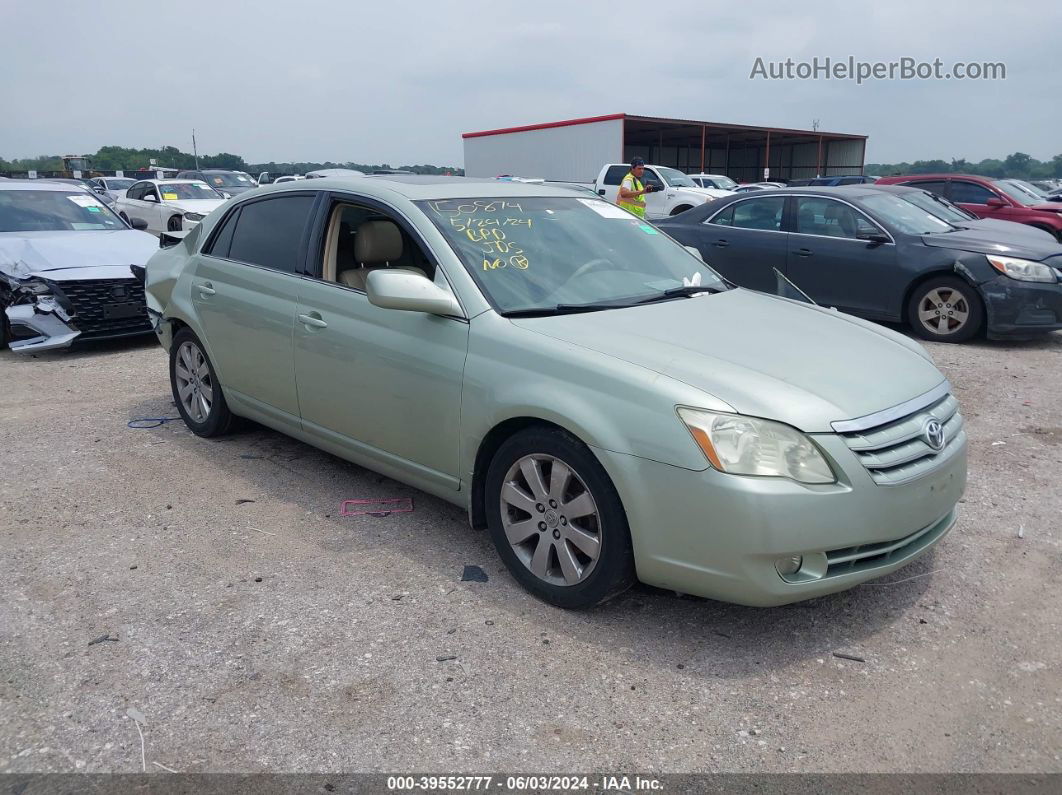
[253,628]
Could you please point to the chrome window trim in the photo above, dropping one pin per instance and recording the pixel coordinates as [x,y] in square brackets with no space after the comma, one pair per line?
[896,412]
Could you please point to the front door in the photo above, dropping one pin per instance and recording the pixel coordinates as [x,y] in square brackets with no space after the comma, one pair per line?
[384,382]
[831,260]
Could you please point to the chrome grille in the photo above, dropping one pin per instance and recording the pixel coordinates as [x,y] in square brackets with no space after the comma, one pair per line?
[895,452]
[94,301]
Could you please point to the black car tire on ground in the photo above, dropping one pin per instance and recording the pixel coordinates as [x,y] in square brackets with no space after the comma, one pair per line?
[613,571]
[219,420]
[174,224]
[956,296]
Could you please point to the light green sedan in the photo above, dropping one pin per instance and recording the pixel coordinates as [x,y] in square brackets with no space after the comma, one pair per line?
[582,385]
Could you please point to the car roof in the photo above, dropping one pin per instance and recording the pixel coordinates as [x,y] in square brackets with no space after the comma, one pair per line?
[950,175]
[824,190]
[40,184]
[426,186]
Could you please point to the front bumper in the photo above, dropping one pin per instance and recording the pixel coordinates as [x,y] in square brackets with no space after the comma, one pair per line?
[1021,309]
[716,535]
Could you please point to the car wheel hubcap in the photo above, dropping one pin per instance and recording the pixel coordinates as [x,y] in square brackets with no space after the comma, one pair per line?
[943,310]
[551,519]
[195,382]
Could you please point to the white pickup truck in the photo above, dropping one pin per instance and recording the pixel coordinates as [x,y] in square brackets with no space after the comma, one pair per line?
[676,194]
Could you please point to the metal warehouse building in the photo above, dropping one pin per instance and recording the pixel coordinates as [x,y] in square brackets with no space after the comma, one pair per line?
[575,149]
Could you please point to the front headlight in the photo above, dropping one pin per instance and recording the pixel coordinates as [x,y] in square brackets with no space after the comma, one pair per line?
[750,446]
[1024,270]
[194,216]
[36,286]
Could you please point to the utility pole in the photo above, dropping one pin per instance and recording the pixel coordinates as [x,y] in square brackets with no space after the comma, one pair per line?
[194,150]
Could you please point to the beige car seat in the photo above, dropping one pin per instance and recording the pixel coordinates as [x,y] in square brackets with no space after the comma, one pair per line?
[377,244]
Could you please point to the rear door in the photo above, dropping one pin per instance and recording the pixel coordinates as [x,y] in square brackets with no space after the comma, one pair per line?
[745,241]
[244,291]
[831,260]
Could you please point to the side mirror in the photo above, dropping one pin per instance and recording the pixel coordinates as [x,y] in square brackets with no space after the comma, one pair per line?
[394,288]
[138,223]
[150,197]
[995,201]
[695,252]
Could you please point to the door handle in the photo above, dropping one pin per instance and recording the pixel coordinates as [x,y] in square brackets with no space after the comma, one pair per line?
[803,252]
[206,288]
[313,320]
[720,243]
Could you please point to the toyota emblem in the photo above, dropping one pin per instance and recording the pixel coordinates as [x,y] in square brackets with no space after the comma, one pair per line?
[933,433]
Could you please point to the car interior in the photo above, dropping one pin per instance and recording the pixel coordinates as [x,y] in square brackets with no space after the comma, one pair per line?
[361,240]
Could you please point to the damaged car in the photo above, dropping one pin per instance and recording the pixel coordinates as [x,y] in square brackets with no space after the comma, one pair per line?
[877,255]
[65,268]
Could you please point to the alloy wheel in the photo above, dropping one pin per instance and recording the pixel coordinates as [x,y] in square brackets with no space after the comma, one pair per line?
[551,519]
[943,310]
[195,382]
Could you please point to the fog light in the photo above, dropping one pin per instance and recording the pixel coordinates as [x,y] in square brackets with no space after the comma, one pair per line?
[788,566]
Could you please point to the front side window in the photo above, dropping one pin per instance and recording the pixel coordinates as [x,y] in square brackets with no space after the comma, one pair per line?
[970,192]
[557,254]
[829,218]
[50,211]
[269,233]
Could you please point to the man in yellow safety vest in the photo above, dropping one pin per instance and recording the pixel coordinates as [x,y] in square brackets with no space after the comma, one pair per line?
[632,190]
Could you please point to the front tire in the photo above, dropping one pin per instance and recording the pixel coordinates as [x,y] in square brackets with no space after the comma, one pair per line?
[174,224]
[557,521]
[681,209]
[196,390]
[945,309]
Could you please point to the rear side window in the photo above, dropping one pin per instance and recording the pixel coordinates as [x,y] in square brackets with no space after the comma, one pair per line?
[223,239]
[764,214]
[268,233]
[615,174]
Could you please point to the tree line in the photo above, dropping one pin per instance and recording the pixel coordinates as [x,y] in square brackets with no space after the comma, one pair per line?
[114,158]
[1016,166]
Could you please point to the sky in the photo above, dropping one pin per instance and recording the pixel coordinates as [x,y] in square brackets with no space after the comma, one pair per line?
[399,81]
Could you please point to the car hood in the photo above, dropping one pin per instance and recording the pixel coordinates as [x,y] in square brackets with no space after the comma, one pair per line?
[203,206]
[764,356]
[67,255]
[714,193]
[988,241]
[1048,207]
[995,227]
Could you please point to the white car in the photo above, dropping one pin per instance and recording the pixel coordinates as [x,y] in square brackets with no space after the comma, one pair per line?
[717,181]
[114,186]
[675,192]
[169,205]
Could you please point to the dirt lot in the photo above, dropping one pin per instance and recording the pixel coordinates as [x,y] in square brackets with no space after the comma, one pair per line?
[254,628]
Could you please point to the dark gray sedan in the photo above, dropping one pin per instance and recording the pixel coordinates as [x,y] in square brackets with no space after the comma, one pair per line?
[875,254]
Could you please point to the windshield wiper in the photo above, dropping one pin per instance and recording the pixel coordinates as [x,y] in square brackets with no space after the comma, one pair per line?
[559,309]
[680,292]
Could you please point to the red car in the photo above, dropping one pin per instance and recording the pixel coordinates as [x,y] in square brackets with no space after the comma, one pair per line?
[987,198]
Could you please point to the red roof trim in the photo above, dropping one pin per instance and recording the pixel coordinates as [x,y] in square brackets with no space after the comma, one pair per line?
[546,126]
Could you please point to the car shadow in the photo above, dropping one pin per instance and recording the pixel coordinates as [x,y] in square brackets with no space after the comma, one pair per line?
[663,628]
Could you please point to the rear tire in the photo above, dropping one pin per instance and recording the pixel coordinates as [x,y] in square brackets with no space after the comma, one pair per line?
[945,309]
[560,528]
[196,391]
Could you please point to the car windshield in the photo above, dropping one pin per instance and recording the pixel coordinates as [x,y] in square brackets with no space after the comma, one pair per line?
[675,178]
[904,216]
[54,211]
[176,191]
[118,183]
[1029,188]
[1019,195]
[228,180]
[936,205]
[557,254]
[724,183]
